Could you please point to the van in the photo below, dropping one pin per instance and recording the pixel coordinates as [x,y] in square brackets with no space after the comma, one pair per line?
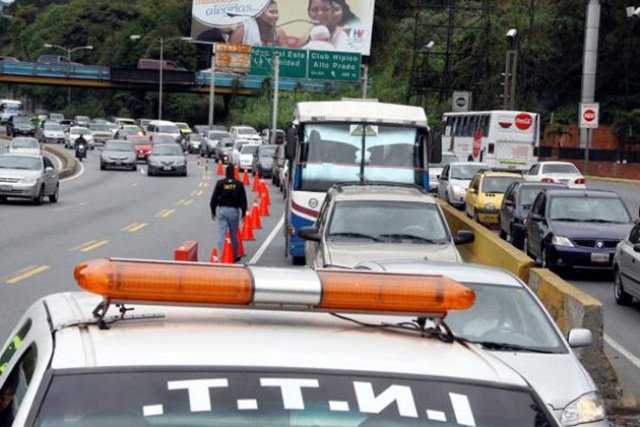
[154,64]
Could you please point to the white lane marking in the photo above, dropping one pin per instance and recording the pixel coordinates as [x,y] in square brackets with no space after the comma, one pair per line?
[70,207]
[635,361]
[75,176]
[268,241]
[142,171]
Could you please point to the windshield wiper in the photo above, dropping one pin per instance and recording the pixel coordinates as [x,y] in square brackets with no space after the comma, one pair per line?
[603,221]
[411,237]
[356,235]
[566,219]
[503,346]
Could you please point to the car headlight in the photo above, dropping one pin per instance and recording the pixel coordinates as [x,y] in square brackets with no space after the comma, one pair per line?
[561,241]
[490,207]
[587,408]
[29,180]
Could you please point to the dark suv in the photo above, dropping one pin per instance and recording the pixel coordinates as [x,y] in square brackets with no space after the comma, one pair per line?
[20,125]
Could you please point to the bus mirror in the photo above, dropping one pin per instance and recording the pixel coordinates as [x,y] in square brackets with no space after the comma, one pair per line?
[434,147]
[290,148]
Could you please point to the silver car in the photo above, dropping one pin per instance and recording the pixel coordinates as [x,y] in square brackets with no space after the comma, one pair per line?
[454,181]
[435,169]
[508,320]
[167,159]
[28,176]
[364,222]
[626,268]
[118,154]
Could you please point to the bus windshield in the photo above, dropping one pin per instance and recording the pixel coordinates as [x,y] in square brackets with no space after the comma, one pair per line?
[331,153]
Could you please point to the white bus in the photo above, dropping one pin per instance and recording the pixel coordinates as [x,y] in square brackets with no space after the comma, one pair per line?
[8,109]
[502,139]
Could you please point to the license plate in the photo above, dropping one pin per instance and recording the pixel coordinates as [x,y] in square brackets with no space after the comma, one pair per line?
[5,188]
[599,257]
[166,168]
[118,163]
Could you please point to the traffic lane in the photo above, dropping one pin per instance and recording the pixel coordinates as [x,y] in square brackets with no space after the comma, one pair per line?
[274,255]
[630,193]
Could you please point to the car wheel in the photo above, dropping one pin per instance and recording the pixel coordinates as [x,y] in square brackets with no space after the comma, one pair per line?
[134,168]
[40,197]
[102,166]
[56,194]
[3,199]
[502,233]
[622,298]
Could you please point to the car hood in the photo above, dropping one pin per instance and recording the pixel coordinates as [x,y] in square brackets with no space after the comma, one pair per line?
[118,154]
[54,133]
[543,371]
[18,173]
[166,158]
[350,253]
[461,182]
[590,230]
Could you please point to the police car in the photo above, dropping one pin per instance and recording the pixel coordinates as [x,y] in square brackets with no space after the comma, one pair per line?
[270,346]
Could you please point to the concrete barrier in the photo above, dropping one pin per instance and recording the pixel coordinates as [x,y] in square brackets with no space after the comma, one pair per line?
[68,161]
[487,249]
[187,251]
[570,307]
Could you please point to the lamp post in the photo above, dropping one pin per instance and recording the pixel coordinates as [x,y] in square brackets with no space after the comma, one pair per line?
[212,80]
[69,51]
[510,67]
[162,41]
[425,70]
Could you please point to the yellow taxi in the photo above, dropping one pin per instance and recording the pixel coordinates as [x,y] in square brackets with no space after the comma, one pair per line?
[484,196]
[184,128]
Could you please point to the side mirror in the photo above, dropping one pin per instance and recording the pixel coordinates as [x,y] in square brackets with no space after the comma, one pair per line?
[472,190]
[463,237]
[309,233]
[508,203]
[580,338]
[636,247]
[48,169]
[434,147]
[437,176]
[537,217]
[290,147]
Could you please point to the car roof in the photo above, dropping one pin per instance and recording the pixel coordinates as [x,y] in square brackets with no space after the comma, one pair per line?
[555,162]
[492,174]
[484,165]
[161,122]
[381,192]
[190,336]
[544,185]
[573,192]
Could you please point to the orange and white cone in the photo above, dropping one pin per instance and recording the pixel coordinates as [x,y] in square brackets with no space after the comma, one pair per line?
[245,178]
[220,168]
[214,255]
[227,252]
[241,251]
[247,228]
[255,215]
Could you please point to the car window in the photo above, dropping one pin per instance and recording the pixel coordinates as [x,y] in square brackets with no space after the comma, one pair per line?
[14,344]
[15,387]
[497,184]
[25,143]
[20,162]
[588,209]
[465,171]
[534,169]
[167,150]
[388,220]
[634,235]
[118,146]
[249,149]
[446,159]
[445,173]
[528,195]
[48,163]
[560,168]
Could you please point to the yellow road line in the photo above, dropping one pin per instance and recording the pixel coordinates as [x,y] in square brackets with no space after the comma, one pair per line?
[199,193]
[168,212]
[194,192]
[137,227]
[206,184]
[181,202]
[188,202]
[82,245]
[30,271]
[128,227]
[161,213]
[94,246]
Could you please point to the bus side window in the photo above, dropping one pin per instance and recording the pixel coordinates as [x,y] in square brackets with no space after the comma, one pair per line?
[484,123]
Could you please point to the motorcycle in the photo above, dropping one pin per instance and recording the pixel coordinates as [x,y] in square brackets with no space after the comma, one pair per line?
[81,152]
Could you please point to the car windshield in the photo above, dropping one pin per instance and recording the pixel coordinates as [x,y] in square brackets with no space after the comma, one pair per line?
[214,135]
[164,139]
[560,168]
[257,397]
[55,116]
[82,119]
[267,151]
[52,126]
[505,314]
[588,209]
[388,221]
[20,162]
[82,131]
[118,146]
[21,120]
[446,159]
[498,184]
[196,137]
[99,127]
[249,149]
[227,143]
[528,195]
[247,131]
[167,150]
[168,129]
[466,172]
[182,125]
[25,143]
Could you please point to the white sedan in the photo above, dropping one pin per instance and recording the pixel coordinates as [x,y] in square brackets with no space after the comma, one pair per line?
[556,172]
[244,157]
[75,132]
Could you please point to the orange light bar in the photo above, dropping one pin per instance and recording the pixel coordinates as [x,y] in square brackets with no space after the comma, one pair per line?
[137,280]
[385,292]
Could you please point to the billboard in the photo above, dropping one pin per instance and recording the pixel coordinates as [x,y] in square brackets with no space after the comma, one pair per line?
[340,25]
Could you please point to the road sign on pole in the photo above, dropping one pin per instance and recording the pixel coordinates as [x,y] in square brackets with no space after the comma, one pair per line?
[293,62]
[328,65]
[589,115]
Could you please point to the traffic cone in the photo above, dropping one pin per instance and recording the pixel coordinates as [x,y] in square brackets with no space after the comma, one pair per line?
[256,182]
[265,194]
[220,168]
[245,178]
[214,255]
[255,215]
[264,207]
[241,252]
[247,228]
[227,252]
[236,173]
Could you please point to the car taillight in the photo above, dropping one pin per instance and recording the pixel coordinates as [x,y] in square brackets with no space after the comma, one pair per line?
[548,179]
[580,181]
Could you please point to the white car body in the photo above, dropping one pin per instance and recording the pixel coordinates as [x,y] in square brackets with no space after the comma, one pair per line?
[237,147]
[436,169]
[164,127]
[453,189]
[556,172]
[245,132]
[25,145]
[74,133]
[245,156]
[53,132]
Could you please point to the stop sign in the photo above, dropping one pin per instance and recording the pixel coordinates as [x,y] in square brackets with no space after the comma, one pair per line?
[589,115]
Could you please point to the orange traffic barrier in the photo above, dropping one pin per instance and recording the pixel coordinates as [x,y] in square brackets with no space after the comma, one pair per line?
[187,251]
[264,207]
[241,252]
[255,215]
[220,168]
[214,255]
[245,178]
[236,172]
[227,252]
[247,228]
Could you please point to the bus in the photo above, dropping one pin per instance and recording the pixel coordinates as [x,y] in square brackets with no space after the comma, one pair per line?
[500,138]
[360,141]
[8,109]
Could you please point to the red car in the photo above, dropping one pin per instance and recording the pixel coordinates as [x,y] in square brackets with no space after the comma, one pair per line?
[142,145]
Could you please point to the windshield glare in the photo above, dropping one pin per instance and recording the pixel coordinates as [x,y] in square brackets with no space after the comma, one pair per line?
[389,220]
[118,146]
[249,149]
[52,126]
[331,153]
[247,131]
[560,168]
[168,129]
[597,209]
[446,159]
[25,143]
[497,184]
[19,162]
[465,172]
[167,150]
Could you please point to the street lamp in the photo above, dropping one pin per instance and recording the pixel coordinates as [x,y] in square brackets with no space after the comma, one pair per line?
[212,80]
[69,51]
[510,67]
[162,41]
[425,70]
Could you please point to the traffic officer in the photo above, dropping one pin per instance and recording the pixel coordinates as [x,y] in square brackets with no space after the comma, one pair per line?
[228,197]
